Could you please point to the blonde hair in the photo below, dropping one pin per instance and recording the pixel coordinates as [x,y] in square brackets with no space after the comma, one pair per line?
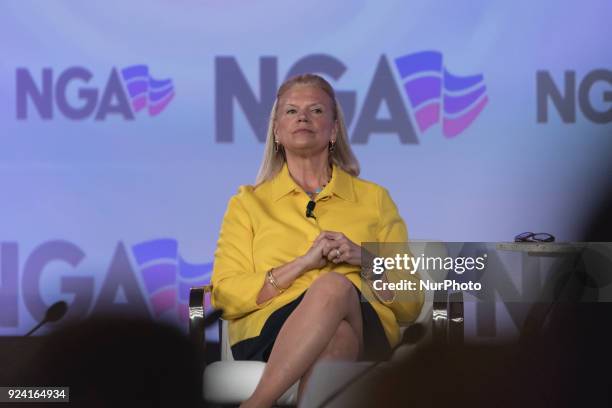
[342,156]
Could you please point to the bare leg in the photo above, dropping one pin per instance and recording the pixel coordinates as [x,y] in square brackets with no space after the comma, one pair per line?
[344,346]
[330,300]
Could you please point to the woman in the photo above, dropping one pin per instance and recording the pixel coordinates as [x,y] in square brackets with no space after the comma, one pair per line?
[287,273]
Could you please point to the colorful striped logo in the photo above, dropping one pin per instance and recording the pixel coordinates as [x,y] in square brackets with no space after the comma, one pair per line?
[437,95]
[167,277]
[146,92]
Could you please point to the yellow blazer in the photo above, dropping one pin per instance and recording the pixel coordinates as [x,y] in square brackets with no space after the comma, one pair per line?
[266,227]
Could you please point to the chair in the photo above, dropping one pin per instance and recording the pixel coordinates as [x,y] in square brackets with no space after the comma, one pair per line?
[229,382]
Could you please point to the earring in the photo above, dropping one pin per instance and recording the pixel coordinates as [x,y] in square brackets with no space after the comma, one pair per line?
[276,146]
[332,146]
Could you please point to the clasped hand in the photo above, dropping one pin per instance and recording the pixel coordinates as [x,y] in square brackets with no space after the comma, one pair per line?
[331,246]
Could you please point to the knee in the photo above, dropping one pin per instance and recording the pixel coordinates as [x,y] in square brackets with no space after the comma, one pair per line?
[332,285]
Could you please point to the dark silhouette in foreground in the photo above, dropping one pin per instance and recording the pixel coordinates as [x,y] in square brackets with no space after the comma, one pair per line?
[116,361]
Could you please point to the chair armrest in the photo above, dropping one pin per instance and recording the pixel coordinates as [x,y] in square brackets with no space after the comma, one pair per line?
[455,319]
[197,314]
[447,318]
[439,317]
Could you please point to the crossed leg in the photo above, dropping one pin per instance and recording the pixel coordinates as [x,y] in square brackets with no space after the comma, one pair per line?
[326,324]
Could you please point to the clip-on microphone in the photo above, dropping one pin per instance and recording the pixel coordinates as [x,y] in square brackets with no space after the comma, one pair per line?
[310,208]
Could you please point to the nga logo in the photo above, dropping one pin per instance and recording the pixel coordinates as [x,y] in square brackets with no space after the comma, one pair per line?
[127,91]
[434,94]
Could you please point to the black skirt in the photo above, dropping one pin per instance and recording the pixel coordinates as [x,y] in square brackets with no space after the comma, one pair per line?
[376,345]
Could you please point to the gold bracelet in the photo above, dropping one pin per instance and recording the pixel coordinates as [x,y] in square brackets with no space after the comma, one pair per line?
[383,277]
[273,282]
